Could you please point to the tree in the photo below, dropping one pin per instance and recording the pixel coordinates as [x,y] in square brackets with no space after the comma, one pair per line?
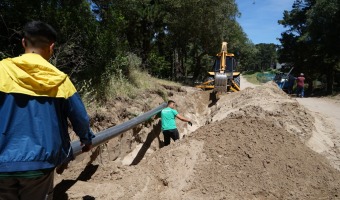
[173,38]
[266,55]
[312,42]
[197,28]
[84,46]
[324,30]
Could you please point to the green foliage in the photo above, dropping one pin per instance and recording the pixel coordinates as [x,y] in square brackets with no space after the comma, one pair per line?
[159,67]
[104,43]
[312,42]
[3,55]
[124,63]
[120,86]
[258,57]
[266,55]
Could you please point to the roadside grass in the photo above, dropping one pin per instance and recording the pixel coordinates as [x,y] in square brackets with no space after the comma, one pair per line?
[145,81]
[130,87]
[251,77]
[258,78]
[336,95]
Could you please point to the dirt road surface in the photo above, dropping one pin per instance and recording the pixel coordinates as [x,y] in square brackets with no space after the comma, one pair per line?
[329,108]
[326,140]
[245,83]
[258,143]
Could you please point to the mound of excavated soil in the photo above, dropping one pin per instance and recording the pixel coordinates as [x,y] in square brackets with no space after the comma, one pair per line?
[250,146]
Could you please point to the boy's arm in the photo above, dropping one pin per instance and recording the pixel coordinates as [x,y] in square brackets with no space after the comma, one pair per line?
[158,115]
[80,121]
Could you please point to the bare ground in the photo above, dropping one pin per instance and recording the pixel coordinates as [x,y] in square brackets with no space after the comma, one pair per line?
[258,143]
[326,138]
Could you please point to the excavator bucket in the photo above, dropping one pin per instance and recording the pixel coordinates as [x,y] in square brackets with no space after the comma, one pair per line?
[220,82]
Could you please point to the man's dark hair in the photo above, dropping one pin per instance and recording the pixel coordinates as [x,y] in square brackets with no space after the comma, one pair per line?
[170,101]
[39,34]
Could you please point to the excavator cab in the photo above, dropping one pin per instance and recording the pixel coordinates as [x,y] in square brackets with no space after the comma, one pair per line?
[225,78]
[230,65]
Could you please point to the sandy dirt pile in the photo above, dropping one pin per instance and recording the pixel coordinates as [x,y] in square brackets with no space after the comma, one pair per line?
[266,102]
[247,145]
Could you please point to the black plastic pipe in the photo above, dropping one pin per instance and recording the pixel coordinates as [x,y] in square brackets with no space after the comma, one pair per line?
[112,132]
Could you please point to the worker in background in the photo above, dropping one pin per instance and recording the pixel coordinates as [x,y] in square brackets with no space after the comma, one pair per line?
[36,99]
[300,83]
[168,117]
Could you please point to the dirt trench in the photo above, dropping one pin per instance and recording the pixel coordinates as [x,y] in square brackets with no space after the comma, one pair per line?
[247,145]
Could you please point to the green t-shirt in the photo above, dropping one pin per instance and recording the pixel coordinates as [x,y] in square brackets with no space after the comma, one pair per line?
[168,116]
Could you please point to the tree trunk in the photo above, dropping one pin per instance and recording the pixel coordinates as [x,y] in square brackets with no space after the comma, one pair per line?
[198,67]
[309,90]
[330,79]
[175,65]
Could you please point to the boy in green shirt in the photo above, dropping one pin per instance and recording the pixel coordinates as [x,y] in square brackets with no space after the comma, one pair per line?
[168,117]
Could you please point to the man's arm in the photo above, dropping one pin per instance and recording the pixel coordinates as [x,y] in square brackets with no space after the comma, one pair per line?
[184,119]
[158,115]
[80,121]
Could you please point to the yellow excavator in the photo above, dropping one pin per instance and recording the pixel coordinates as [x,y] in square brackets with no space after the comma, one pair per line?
[223,78]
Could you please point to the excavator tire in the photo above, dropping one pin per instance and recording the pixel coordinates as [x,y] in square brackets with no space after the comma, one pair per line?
[237,80]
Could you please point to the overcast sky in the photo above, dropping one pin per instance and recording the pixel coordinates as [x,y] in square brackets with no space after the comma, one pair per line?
[259,19]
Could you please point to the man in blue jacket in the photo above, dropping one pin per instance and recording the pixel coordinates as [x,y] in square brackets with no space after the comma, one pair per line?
[36,99]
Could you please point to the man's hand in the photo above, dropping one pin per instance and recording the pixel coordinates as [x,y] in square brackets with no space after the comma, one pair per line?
[86,147]
[60,168]
[190,123]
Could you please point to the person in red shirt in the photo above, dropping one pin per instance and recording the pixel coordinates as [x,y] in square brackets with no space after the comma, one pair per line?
[300,86]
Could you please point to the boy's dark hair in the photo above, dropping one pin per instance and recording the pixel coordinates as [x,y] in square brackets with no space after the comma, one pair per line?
[39,34]
[170,101]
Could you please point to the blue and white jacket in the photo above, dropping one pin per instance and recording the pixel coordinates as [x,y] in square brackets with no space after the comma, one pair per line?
[36,99]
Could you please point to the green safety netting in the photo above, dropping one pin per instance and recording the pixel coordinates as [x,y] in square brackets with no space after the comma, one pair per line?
[265,77]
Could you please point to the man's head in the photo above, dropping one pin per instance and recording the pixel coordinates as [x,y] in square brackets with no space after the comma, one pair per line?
[171,104]
[39,37]
[301,74]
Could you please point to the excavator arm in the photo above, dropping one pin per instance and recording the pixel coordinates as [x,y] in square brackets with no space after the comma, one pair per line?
[225,75]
